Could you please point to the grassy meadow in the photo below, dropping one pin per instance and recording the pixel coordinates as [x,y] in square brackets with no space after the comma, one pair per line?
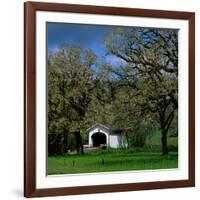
[147,158]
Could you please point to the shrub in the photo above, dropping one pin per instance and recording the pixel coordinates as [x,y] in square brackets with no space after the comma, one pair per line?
[137,137]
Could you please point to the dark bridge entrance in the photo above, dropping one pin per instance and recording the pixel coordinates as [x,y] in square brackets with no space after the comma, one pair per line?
[98,139]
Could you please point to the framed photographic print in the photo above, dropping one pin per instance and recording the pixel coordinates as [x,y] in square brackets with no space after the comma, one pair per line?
[109,99]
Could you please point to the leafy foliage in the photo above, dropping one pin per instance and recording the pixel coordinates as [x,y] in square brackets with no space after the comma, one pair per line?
[150,68]
[138,94]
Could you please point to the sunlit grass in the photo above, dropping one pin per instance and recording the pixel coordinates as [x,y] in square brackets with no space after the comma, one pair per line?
[96,162]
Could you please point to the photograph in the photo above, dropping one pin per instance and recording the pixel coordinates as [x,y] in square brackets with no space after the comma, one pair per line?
[112,98]
[109,99]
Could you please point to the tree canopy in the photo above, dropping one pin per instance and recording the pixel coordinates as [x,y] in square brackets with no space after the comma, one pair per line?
[150,68]
[138,93]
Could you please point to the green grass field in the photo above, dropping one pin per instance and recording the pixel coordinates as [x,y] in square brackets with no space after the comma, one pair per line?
[117,159]
[110,162]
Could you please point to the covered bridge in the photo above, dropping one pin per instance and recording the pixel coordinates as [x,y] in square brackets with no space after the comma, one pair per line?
[102,135]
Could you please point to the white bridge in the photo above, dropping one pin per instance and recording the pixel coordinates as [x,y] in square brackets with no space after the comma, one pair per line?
[101,135]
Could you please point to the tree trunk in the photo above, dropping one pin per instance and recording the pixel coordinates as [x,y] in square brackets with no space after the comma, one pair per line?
[164,141]
[165,124]
[127,139]
[61,142]
[65,140]
[79,144]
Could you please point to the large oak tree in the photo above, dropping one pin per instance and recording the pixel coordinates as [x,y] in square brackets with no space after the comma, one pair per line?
[71,83]
[149,64]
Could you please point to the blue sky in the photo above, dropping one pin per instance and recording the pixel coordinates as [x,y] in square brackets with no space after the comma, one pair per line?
[82,35]
[85,36]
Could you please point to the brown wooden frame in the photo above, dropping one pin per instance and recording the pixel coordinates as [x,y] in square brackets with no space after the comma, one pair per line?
[30,9]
